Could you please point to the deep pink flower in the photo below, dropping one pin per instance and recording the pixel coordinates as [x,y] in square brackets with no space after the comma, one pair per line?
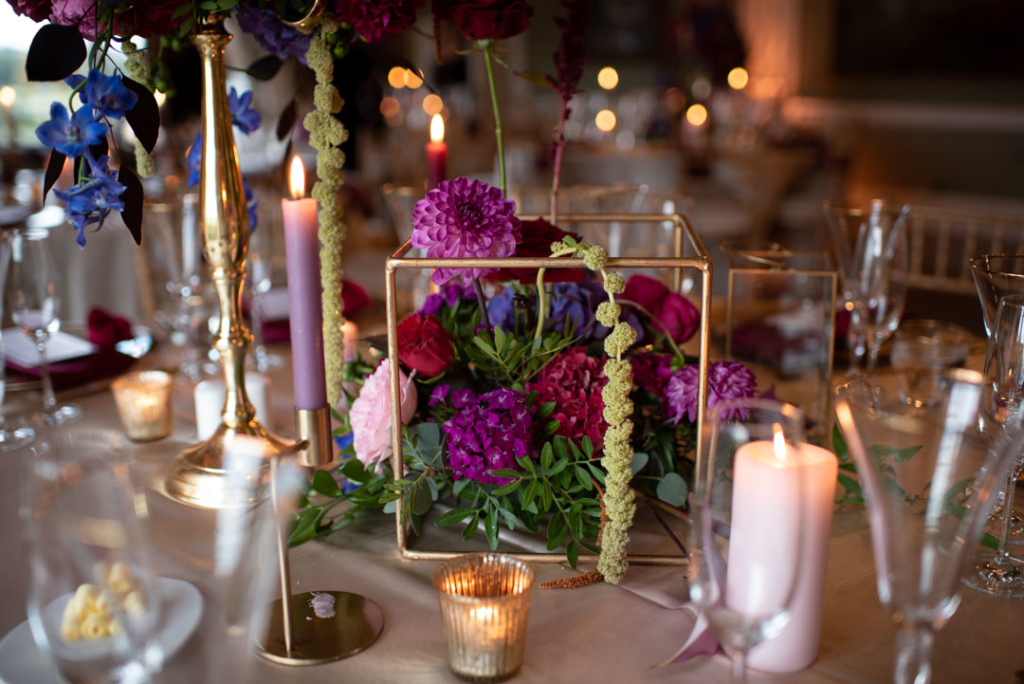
[36,10]
[370,415]
[372,19]
[465,218]
[573,381]
[80,13]
[726,380]
[674,314]
[651,372]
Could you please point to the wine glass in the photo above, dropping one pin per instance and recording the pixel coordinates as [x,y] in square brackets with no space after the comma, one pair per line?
[18,437]
[872,251]
[747,537]
[998,573]
[261,268]
[995,276]
[35,308]
[92,604]
[928,475]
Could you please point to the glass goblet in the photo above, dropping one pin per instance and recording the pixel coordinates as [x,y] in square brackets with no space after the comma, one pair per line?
[872,252]
[747,537]
[91,602]
[35,308]
[998,573]
[928,474]
[261,268]
[21,436]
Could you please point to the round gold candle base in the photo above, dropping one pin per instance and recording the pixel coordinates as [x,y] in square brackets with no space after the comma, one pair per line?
[197,476]
[355,626]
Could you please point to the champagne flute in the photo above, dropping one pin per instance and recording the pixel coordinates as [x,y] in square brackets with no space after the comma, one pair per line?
[35,308]
[998,573]
[747,536]
[18,437]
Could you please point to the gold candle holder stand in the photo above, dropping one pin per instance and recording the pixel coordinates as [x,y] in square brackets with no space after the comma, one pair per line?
[356,621]
[197,476]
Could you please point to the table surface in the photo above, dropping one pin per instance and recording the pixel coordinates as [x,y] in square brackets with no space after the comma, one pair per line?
[600,633]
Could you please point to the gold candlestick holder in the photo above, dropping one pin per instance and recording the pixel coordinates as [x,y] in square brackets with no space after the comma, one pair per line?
[297,632]
[197,476]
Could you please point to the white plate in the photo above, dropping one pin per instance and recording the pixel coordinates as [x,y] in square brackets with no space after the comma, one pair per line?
[21,661]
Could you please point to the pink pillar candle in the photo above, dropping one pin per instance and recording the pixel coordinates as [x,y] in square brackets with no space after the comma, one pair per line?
[769,523]
[305,316]
[437,153]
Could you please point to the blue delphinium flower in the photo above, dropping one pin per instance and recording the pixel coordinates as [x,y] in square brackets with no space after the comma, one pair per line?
[501,309]
[242,115]
[108,94]
[95,196]
[274,36]
[71,135]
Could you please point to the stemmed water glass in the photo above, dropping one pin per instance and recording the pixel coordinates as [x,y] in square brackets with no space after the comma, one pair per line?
[928,474]
[747,536]
[872,251]
[998,573]
[261,262]
[35,308]
[18,437]
[92,603]
[996,276]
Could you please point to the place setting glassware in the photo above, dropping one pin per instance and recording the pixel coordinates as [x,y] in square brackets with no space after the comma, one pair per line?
[10,438]
[261,268]
[94,607]
[35,308]
[996,276]
[747,536]
[872,249]
[998,572]
[928,474]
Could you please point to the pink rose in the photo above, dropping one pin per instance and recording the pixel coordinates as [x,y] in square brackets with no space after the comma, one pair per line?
[370,416]
[678,316]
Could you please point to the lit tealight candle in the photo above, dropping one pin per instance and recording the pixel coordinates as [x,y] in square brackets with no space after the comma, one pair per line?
[305,315]
[350,335]
[485,603]
[144,403]
[437,153]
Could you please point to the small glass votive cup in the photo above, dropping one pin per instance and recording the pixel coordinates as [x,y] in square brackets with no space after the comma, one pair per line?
[144,404]
[485,604]
[921,351]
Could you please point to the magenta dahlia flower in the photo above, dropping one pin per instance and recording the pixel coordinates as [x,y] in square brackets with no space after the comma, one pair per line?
[465,218]
[574,382]
[726,380]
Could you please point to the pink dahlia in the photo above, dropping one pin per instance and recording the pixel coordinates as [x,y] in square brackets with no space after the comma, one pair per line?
[726,380]
[372,19]
[573,381]
[465,219]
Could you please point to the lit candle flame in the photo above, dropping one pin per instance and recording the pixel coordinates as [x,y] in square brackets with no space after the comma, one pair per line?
[297,178]
[780,442]
[436,129]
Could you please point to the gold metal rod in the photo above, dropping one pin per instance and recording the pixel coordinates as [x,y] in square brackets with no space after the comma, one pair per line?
[283,565]
[550,558]
[396,393]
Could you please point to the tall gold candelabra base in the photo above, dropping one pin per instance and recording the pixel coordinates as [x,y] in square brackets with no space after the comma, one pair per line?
[354,627]
[198,477]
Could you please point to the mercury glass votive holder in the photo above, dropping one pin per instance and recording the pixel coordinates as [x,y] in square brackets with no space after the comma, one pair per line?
[144,404]
[485,604]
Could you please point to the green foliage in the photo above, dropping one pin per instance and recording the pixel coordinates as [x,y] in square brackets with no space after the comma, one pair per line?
[512,361]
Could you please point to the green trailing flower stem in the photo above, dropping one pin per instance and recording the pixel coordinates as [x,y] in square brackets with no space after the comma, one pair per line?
[542,302]
[488,49]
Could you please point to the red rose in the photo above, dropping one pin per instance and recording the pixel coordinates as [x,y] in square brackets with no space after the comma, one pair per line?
[537,238]
[424,345]
[678,316]
[106,330]
[645,291]
[486,19]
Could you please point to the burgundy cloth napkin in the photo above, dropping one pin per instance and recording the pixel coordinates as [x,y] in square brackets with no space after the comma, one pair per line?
[354,299]
[105,331]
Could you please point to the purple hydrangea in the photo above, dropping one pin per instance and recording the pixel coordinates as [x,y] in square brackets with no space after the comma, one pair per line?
[726,380]
[273,35]
[464,218]
[450,295]
[487,432]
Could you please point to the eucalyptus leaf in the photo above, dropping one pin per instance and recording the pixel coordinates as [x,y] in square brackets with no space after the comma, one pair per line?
[640,459]
[672,489]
